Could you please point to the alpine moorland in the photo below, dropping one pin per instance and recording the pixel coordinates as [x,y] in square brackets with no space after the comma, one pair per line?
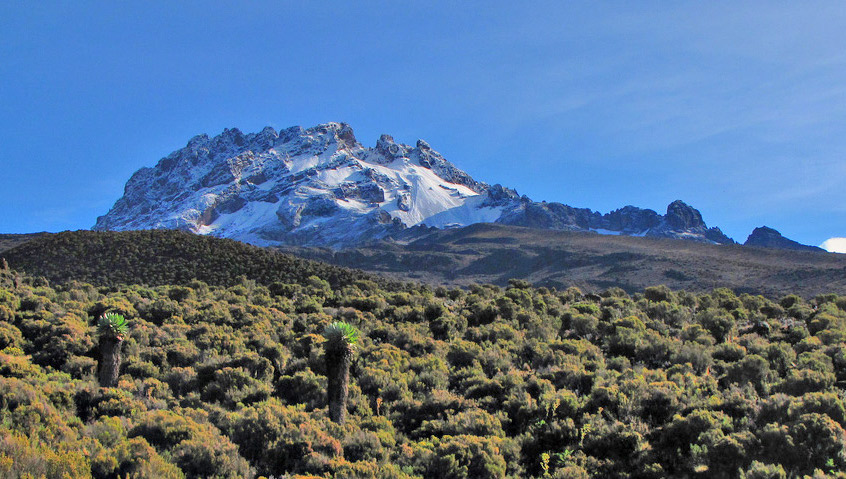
[225,375]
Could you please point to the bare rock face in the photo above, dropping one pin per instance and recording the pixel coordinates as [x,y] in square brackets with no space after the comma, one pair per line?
[404,202]
[681,221]
[631,220]
[681,216]
[769,238]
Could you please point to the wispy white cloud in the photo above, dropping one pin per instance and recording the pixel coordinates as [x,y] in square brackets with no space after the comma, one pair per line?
[834,245]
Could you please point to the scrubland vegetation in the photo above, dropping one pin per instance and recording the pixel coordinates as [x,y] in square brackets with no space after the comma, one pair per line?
[227,377]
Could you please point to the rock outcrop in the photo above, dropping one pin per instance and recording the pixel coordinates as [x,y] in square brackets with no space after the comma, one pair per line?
[765,237]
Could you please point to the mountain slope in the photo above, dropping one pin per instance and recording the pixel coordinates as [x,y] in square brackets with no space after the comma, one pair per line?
[298,186]
[320,187]
[9,241]
[166,257]
[490,253]
[481,253]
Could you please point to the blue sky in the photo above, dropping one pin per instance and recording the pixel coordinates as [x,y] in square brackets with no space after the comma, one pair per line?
[737,109]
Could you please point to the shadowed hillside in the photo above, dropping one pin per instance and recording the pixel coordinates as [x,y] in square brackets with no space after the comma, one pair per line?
[9,241]
[157,257]
[488,253]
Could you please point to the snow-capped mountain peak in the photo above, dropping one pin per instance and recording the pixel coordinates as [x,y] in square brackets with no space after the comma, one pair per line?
[303,186]
[319,186]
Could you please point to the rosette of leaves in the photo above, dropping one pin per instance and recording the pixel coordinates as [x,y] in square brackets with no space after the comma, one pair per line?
[341,339]
[340,335]
[112,328]
[114,325]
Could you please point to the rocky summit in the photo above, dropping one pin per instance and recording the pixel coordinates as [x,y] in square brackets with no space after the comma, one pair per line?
[315,186]
[769,238]
[320,187]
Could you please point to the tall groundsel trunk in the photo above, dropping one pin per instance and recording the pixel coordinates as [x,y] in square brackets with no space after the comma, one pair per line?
[341,339]
[109,361]
[113,329]
[338,375]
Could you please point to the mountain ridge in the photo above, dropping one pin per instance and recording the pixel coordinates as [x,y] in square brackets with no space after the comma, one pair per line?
[320,186]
